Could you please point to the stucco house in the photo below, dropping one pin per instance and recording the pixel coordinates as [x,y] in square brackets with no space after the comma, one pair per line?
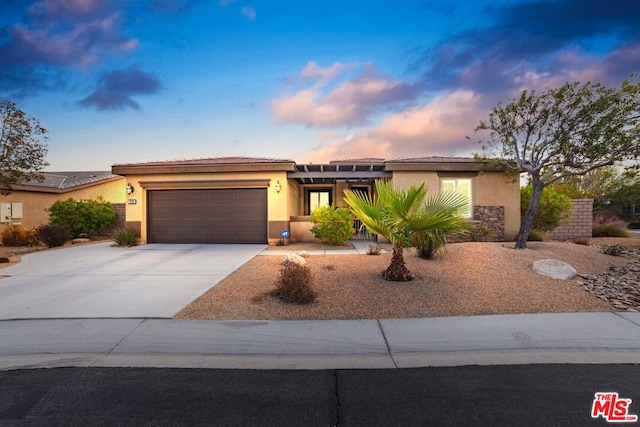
[251,200]
[27,203]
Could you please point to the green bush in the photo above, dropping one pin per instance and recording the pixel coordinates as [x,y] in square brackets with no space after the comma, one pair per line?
[332,226]
[125,237]
[17,235]
[554,208]
[609,230]
[54,235]
[82,216]
[294,284]
[634,225]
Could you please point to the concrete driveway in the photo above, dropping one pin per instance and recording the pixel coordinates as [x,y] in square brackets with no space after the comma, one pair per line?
[99,280]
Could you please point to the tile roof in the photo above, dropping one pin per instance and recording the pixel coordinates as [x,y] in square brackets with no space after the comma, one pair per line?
[432,159]
[211,161]
[367,160]
[69,180]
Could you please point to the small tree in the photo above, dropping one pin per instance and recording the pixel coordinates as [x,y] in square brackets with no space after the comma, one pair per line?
[22,147]
[554,208]
[563,132]
[82,216]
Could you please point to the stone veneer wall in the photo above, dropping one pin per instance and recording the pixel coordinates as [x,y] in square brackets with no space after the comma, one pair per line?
[580,223]
[492,217]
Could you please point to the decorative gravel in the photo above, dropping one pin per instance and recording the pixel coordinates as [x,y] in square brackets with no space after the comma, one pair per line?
[467,279]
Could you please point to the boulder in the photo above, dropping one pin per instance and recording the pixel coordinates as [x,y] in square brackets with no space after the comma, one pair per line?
[4,259]
[80,240]
[293,259]
[554,268]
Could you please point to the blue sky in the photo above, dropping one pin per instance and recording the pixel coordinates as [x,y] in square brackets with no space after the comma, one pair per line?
[123,81]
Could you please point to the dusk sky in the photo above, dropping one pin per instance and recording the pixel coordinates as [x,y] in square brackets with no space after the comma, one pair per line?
[123,81]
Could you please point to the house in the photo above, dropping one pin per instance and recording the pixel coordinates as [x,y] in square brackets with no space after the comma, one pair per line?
[27,204]
[252,200]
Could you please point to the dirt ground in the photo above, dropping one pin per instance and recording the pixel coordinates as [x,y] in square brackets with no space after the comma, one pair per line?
[467,279]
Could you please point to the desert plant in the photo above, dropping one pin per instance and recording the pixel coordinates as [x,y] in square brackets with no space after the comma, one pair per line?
[17,235]
[282,242]
[554,208]
[54,235]
[82,216]
[635,225]
[480,232]
[125,237]
[537,236]
[332,226]
[294,284]
[398,214]
[373,249]
[614,250]
[609,230]
[584,241]
[609,220]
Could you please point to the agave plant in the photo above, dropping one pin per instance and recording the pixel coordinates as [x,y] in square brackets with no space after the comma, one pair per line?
[399,215]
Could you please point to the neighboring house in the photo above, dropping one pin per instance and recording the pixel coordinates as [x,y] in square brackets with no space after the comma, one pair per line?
[28,203]
[251,200]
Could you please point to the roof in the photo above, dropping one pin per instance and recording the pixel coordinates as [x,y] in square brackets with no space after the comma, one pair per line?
[214,164]
[61,182]
[367,160]
[432,159]
[210,161]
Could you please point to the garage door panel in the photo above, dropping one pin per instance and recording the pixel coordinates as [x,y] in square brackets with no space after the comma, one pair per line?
[207,216]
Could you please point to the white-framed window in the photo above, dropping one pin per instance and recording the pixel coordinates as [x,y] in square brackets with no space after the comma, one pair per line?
[318,198]
[460,186]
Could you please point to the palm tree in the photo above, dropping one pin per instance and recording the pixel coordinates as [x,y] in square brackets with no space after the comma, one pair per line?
[398,214]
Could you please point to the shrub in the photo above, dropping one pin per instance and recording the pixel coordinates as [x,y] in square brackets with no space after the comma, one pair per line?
[615,250]
[125,237]
[609,230]
[428,243]
[294,284]
[608,220]
[82,216]
[481,232]
[17,235]
[537,236]
[332,226]
[634,225]
[373,249]
[54,235]
[282,242]
[554,208]
[584,241]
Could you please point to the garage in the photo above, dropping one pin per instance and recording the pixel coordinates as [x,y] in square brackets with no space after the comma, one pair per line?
[233,215]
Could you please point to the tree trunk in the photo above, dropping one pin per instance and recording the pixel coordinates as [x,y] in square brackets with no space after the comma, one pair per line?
[527,221]
[397,270]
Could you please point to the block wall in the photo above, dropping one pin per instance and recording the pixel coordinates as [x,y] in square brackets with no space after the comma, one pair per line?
[580,223]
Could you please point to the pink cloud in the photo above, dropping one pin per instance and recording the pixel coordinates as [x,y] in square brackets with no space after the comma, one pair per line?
[316,72]
[351,102]
[437,128]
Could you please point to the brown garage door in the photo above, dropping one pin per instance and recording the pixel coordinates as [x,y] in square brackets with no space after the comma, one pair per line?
[208,216]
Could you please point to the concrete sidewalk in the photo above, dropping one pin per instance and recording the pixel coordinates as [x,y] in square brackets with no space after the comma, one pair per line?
[329,344]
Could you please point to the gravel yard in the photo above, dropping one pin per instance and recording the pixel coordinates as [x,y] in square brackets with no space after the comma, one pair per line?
[467,279]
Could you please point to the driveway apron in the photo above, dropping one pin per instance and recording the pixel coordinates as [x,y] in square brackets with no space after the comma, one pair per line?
[99,280]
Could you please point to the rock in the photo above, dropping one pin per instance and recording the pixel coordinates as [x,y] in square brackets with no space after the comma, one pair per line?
[554,269]
[303,254]
[4,259]
[293,259]
[80,240]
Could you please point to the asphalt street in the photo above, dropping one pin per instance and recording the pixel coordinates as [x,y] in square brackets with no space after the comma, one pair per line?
[523,395]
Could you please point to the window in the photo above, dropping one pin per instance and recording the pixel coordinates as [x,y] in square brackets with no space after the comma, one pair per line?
[318,198]
[460,186]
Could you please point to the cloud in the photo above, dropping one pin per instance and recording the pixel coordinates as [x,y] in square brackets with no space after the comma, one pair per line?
[249,12]
[116,88]
[315,72]
[174,7]
[55,36]
[534,37]
[351,102]
[436,128]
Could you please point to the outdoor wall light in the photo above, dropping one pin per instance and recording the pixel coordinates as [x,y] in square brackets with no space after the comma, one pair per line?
[129,188]
[278,186]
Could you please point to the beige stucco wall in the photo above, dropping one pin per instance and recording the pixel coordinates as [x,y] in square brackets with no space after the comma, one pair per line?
[488,189]
[279,204]
[34,204]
